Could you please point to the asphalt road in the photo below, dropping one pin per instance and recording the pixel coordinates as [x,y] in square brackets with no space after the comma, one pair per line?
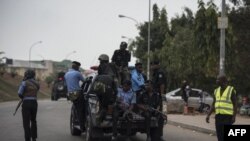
[53,125]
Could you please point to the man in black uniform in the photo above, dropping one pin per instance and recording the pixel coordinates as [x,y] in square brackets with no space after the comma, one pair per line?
[159,85]
[28,93]
[148,100]
[107,68]
[121,58]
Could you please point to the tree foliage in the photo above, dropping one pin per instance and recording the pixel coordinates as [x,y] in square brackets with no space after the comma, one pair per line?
[188,46]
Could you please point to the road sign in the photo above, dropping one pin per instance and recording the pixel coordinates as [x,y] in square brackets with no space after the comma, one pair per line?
[222,22]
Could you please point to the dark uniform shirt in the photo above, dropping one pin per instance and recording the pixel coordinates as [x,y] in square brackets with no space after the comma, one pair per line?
[121,57]
[153,101]
[159,78]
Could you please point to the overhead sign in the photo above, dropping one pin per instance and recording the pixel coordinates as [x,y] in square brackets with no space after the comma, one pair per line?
[222,22]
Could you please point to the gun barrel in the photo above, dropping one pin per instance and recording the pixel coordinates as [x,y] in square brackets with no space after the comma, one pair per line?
[17,107]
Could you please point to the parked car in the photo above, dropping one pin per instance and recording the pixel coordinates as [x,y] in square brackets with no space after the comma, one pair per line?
[200,100]
[245,109]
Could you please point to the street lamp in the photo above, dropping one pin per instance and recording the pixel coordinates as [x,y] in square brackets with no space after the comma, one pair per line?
[222,38]
[39,42]
[123,16]
[148,61]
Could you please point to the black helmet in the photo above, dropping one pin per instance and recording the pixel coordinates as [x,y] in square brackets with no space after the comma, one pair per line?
[103,57]
[29,74]
[123,45]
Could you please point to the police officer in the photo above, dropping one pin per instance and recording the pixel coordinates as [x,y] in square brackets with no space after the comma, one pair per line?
[28,92]
[126,99]
[159,85]
[121,58]
[150,99]
[137,79]
[224,105]
[72,78]
[107,68]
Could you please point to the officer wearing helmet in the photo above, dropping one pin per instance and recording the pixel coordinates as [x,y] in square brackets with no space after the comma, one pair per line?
[105,67]
[27,91]
[105,85]
[121,56]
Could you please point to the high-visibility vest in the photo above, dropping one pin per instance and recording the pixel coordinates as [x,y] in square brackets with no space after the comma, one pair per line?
[223,103]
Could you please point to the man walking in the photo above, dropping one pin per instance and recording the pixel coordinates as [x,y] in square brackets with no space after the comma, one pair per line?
[224,105]
[28,93]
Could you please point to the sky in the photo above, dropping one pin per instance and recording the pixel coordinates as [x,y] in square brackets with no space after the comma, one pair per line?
[77,30]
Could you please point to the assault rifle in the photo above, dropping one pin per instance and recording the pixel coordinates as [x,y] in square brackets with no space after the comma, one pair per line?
[18,105]
[164,116]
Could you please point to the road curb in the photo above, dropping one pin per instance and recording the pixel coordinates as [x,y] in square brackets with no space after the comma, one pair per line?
[192,127]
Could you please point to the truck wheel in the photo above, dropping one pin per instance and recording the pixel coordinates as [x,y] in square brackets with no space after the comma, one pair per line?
[89,130]
[74,131]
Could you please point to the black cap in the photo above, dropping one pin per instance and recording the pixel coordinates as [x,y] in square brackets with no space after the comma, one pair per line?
[76,63]
[138,64]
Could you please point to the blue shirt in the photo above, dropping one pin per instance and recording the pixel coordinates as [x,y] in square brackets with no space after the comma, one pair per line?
[126,97]
[137,80]
[21,91]
[72,78]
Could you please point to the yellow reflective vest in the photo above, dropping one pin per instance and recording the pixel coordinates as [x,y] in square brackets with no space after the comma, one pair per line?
[223,103]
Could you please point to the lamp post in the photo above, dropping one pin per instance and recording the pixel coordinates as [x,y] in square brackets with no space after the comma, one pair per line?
[222,38]
[123,16]
[39,42]
[148,61]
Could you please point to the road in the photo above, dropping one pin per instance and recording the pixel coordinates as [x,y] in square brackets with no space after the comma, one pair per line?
[53,125]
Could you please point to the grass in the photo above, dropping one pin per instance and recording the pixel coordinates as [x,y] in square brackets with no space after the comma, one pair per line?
[9,87]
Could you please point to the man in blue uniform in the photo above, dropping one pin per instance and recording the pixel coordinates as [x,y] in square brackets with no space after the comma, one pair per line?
[28,93]
[73,77]
[126,99]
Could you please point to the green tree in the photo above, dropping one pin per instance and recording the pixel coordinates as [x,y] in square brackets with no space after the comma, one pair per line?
[49,80]
[158,30]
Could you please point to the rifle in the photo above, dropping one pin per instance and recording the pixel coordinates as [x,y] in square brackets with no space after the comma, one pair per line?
[18,105]
[165,117]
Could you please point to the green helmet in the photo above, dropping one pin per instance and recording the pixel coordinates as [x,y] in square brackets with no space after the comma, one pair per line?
[104,57]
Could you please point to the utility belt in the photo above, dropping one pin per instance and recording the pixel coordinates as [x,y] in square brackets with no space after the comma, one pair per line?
[74,95]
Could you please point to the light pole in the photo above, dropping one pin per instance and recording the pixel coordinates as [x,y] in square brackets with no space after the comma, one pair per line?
[222,39]
[148,61]
[123,16]
[39,42]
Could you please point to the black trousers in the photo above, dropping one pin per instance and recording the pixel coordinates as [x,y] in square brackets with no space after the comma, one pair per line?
[220,121]
[29,111]
[80,106]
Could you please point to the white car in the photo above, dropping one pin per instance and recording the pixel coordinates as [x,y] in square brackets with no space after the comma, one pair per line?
[175,102]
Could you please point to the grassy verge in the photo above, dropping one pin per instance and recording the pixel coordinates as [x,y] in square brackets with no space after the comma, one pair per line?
[9,87]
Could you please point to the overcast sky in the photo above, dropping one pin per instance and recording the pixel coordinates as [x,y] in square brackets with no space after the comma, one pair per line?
[88,27]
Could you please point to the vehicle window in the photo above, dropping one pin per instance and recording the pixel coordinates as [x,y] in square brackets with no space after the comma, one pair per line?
[194,93]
